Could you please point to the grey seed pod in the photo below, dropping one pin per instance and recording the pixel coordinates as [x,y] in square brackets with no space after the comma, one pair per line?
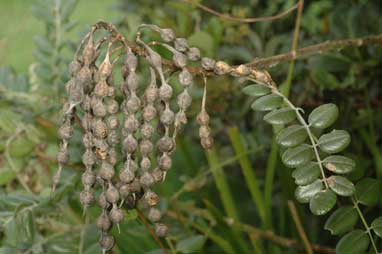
[62,155]
[101,89]
[69,85]
[87,140]
[135,186]
[67,109]
[99,129]
[105,69]
[86,103]
[86,197]
[165,92]
[208,64]
[86,121]
[107,242]
[193,54]
[112,106]
[88,178]
[65,131]
[99,109]
[106,171]
[124,190]
[133,104]
[116,215]
[102,202]
[101,153]
[89,51]
[74,67]
[149,113]
[130,165]
[131,61]
[185,77]
[145,164]
[157,174]
[103,222]
[161,229]
[165,162]
[112,122]
[146,179]
[126,175]
[84,77]
[167,116]
[113,156]
[181,44]
[180,118]
[101,144]
[145,147]
[154,214]
[132,81]
[76,94]
[179,59]
[154,59]
[222,68]
[207,143]
[125,89]
[203,118]
[131,124]
[204,131]
[147,130]
[112,194]
[167,34]
[88,158]
[151,198]
[130,144]
[113,137]
[151,94]
[242,70]
[165,144]
[111,91]
[184,100]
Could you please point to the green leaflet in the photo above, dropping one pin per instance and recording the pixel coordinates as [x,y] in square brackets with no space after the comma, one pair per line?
[376,225]
[322,202]
[323,116]
[339,164]
[335,141]
[280,116]
[306,174]
[341,186]
[368,191]
[303,194]
[342,220]
[354,242]
[297,156]
[256,90]
[291,136]
[267,102]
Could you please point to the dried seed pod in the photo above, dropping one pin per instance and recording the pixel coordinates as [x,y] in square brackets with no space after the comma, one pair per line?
[124,191]
[145,164]
[76,94]
[146,179]
[161,229]
[89,51]
[106,171]
[112,194]
[103,222]
[113,138]
[102,202]
[132,81]
[86,103]
[106,68]
[193,54]
[207,143]
[126,175]
[181,44]
[147,130]
[62,155]
[157,174]
[99,129]
[98,108]
[86,121]
[145,147]
[204,131]
[87,140]
[101,89]
[132,104]
[151,198]
[135,186]
[185,77]
[86,198]
[74,67]
[131,61]
[107,242]
[131,124]
[167,34]
[179,59]
[165,144]
[154,214]
[167,116]
[165,162]
[184,100]
[203,118]
[149,113]
[165,92]
[88,178]
[208,64]
[84,77]
[116,215]
[222,68]
[130,144]
[241,71]
[112,122]
[65,131]
[113,156]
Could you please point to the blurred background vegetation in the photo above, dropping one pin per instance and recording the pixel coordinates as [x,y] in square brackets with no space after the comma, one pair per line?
[231,200]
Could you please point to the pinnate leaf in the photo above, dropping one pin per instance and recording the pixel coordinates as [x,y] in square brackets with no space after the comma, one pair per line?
[323,116]
[297,156]
[339,164]
[291,136]
[267,102]
[342,220]
[335,141]
[354,242]
[322,202]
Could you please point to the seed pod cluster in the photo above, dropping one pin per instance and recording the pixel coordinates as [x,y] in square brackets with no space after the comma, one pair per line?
[148,128]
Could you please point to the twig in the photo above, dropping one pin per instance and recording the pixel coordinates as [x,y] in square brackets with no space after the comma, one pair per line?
[242,20]
[315,49]
[143,219]
[300,228]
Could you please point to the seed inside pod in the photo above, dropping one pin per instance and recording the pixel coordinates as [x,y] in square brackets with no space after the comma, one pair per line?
[207,143]
[88,158]
[145,164]
[167,116]
[84,77]
[112,122]
[66,131]
[62,156]
[86,197]
[165,144]
[131,124]
[133,104]
[208,64]
[147,130]
[102,202]
[151,94]
[193,54]
[165,92]
[113,156]
[167,34]
[151,198]
[185,77]
[146,179]
[112,194]
[149,113]
[99,129]
[165,162]
[107,171]
[88,178]
[145,147]
[99,109]
[87,140]
[161,229]
[131,61]
[101,89]
[132,81]
[179,59]
[74,67]
[181,44]
[130,144]
[106,242]
[113,137]
[222,68]
[184,100]
[116,215]
[157,174]
[103,222]
[126,175]
[204,131]
[154,214]
[203,118]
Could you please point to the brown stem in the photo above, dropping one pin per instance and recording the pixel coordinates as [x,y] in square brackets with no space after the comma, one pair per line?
[242,20]
[315,49]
